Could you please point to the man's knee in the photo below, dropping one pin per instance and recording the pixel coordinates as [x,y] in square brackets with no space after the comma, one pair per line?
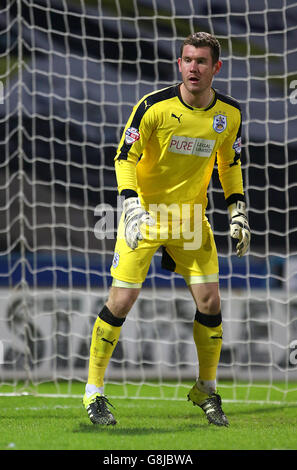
[121,300]
[207,298]
[210,304]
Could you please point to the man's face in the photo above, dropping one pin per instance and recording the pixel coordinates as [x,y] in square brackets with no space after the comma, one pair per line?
[197,68]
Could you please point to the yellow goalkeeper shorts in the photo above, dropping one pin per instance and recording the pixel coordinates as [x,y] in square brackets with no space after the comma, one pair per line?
[197,264]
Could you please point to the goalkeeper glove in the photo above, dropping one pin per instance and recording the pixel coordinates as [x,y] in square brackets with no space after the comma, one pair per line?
[135,216]
[239,227]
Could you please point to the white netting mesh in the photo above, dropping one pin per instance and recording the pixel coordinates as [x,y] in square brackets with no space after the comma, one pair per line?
[70,73]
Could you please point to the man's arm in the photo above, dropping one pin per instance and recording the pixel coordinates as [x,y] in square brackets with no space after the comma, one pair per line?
[132,144]
[230,174]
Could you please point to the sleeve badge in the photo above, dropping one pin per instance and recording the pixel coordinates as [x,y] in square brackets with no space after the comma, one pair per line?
[237,145]
[131,135]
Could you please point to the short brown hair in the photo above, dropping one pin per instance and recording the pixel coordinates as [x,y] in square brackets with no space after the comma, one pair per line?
[203,39]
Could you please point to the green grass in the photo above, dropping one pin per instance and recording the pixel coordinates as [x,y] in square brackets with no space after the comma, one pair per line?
[31,422]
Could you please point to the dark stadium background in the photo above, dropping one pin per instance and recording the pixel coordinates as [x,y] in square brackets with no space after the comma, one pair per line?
[69,174]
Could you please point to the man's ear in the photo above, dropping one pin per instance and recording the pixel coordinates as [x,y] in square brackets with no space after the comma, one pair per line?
[179,63]
[217,67]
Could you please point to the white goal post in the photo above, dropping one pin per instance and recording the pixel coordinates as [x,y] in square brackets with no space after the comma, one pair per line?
[70,73]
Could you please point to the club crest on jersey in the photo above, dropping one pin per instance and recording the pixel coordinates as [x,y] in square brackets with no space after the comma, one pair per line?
[219,123]
[131,135]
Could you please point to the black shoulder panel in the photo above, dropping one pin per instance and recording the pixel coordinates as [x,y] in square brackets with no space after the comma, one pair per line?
[229,100]
[143,106]
[149,101]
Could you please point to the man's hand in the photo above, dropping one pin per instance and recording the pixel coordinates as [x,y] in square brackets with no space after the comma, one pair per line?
[135,216]
[239,227]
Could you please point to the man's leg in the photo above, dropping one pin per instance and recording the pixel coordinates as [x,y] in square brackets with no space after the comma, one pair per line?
[208,332]
[105,335]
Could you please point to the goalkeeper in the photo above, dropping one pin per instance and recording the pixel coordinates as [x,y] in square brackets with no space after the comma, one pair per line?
[165,159]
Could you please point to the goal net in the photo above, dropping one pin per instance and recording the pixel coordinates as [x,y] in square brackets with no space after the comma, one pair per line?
[70,73]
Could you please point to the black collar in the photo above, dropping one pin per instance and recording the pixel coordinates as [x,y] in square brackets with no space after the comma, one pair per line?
[178,94]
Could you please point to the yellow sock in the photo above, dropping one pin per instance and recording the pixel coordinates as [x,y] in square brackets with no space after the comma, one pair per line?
[207,332]
[105,335]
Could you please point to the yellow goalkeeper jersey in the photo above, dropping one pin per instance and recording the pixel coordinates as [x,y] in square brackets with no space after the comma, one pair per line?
[168,149]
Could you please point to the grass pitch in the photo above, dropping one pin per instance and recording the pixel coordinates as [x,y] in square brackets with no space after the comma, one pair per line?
[30,422]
